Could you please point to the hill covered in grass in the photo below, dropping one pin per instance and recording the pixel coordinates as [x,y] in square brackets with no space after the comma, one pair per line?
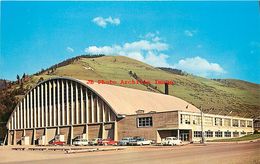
[213,96]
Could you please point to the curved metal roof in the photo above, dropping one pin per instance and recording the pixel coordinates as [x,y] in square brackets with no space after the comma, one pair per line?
[127,100]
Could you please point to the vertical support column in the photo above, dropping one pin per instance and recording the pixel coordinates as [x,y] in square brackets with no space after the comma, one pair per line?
[34,107]
[115,131]
[58,130]
[72,105]
[42,108]
[58,101]
[81,105]
[8,137]
[38,108]
[50,105]
[18,116]
[67,103]
[31,109]
[27,111]
[109,115]
[12,122]
[86,131]
[87,112]
[62,102]
[46,106]
[54,102]
[178,133]
[46,136]
[98,110]
[24,113]
[34,136]
[16,119]
[103,112]
[21,114]
[77,104]
[92,108]
[71,134]
[14,137]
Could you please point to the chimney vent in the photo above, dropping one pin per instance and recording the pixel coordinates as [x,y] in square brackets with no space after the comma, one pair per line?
[166,89]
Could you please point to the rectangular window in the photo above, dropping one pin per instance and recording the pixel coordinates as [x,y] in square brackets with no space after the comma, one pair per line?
[185,119]
[235,123]
[218,134]
[227,134]
[196,120]
[144,122]
[235,134]
[197,134]
[243,133]
[208,121]
[227,122]
[208,134]
[218,121]
[249,123]
[242,123]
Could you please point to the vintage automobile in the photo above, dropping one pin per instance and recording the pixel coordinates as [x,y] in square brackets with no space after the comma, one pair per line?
[171,141]
[80,142]
[108,141]
[125,141]
[95,141]
[57,142]
[139,141]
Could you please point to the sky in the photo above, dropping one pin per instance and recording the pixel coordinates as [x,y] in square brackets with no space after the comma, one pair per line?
[208,39]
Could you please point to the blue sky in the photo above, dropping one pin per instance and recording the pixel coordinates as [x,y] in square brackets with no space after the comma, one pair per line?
[209,39]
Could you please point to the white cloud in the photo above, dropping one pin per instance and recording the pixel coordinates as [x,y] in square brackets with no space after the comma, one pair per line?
[69,49]
[103,22]
[190,33]
[152,36]
[143,50]
[153,53]
[200,66]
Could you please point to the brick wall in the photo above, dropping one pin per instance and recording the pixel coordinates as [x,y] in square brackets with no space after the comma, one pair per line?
[94,131]
[127,127]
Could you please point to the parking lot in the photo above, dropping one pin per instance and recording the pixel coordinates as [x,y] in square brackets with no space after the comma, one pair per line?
[193,153]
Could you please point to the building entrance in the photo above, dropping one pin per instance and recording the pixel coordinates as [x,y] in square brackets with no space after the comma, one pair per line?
[185,135]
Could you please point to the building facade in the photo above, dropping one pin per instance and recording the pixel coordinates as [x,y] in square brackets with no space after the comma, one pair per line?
[73,108]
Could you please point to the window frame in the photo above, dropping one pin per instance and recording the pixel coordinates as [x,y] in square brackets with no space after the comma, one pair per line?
[144,122]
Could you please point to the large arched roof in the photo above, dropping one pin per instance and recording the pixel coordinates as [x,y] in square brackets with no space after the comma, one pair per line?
[128,101]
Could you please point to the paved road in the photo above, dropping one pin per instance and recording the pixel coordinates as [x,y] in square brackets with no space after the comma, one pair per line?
[212,153]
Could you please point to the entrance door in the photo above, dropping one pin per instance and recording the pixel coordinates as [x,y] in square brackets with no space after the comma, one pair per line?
[184,135]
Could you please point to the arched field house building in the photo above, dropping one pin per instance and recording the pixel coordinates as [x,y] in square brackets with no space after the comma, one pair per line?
[71,108]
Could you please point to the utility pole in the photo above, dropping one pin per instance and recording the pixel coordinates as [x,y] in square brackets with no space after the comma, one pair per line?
[202,131]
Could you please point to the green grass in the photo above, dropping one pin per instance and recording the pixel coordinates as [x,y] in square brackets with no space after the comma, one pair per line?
[242,98]
[244,138]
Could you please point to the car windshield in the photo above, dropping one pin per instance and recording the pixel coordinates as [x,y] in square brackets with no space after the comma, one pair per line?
[140,139]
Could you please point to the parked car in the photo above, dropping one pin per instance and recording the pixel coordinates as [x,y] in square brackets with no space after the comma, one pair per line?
[108,141]
[125,141]
[140,141]
[55,142]
[171,141]
[80,142]
[95,141]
